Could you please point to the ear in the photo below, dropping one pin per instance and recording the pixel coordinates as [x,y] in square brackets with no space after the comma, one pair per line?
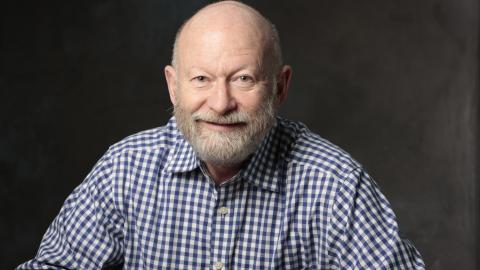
[283,82]
[171,77]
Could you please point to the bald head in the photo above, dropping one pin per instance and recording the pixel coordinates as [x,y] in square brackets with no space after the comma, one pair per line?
[232,20]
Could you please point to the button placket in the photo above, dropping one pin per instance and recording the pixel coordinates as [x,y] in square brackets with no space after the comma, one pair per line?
[223,227]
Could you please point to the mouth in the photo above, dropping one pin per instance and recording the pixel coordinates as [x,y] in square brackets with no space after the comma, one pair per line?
[222,126]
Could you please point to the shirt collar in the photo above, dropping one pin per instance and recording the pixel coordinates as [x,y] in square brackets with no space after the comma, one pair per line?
[264,168]
[183,158]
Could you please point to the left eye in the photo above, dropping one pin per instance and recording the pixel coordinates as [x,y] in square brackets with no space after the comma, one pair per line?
[244,81]
[245,78]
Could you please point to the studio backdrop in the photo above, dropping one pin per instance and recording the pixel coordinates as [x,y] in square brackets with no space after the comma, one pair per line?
[394,83]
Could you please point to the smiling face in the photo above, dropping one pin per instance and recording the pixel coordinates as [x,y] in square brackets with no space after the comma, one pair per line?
[223,86]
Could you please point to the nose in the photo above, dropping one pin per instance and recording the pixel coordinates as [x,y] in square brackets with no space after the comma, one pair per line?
[221,100]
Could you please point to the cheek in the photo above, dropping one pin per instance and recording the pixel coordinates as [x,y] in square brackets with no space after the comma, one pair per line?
[252,102]
[190,101]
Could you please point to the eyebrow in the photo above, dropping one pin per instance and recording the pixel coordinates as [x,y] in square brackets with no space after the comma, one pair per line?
[254,68]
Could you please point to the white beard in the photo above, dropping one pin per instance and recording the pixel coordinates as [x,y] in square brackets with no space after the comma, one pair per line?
[231,147]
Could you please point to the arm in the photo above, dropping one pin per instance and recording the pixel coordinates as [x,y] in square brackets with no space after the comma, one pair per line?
[365,234]
[87,233]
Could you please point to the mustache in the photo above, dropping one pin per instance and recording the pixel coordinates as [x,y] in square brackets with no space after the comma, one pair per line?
[231,118]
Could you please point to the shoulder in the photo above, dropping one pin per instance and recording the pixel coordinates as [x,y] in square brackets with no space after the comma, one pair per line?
[157,139]
[310,150]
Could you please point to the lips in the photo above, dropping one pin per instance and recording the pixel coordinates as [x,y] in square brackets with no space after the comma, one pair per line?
[221,126]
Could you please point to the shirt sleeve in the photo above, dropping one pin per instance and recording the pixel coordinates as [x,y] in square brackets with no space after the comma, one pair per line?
[365,234]
[88,231]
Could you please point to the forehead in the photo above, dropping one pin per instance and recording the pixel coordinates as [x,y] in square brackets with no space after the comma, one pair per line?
[231,39]
[219,33]
[219,49]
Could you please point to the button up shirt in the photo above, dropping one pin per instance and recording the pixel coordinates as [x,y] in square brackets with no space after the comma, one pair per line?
[299,202]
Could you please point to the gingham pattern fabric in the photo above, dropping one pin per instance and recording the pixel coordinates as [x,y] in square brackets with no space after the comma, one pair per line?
[298,203]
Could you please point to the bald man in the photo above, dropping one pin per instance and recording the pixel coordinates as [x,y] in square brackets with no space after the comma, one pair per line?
[226,184]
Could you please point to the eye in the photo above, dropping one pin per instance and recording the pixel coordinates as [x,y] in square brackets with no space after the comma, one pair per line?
[245,78]
[200,78]
[244,81]
[200,81]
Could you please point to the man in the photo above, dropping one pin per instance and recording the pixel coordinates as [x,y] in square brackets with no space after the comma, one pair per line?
[226,184]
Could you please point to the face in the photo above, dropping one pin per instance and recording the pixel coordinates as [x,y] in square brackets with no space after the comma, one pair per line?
[224,97]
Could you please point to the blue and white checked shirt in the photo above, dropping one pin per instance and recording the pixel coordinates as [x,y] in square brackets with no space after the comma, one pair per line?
[299,203]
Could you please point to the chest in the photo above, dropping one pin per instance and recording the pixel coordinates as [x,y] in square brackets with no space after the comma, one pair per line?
[184,222]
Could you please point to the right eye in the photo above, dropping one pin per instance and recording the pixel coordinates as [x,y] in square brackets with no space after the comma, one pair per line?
[200,78]
[200,81]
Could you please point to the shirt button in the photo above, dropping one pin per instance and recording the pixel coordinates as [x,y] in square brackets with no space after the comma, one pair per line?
[223,210]
[218,265]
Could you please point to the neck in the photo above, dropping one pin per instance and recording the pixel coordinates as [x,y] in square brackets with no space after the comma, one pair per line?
[221,173]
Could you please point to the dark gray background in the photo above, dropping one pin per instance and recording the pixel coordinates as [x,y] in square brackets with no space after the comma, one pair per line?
[395,83]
